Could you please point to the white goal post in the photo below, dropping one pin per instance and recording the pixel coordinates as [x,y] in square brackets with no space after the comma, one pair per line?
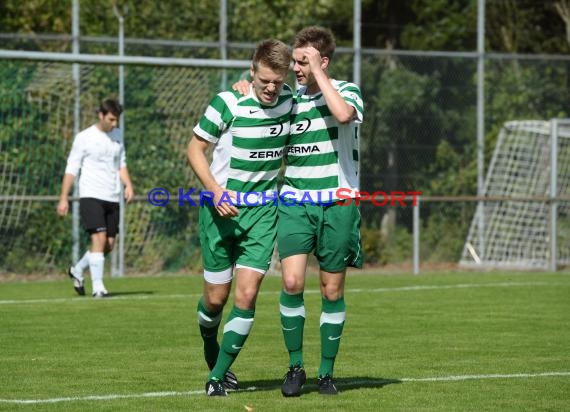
[525,224]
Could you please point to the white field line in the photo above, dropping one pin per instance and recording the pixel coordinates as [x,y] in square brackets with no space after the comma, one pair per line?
[412,288]
[479,377]
[348,384]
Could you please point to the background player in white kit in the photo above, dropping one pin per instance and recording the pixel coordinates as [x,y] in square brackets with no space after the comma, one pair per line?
[99,153]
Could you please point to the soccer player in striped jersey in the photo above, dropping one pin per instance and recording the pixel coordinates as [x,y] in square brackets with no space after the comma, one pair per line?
[238,228]
[322,158]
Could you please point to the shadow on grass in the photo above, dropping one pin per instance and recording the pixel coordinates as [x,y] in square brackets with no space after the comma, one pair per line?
[343,384]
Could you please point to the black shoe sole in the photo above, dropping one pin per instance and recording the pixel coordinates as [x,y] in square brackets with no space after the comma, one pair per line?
[79,290]
[291,395]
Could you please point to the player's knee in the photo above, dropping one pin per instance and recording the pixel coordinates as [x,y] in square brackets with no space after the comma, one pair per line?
[332,292]
[292,284]
[332,296]
[215,302]
[246,302]
[216,305]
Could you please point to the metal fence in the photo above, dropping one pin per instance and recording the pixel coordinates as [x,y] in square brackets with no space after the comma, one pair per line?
[422,132]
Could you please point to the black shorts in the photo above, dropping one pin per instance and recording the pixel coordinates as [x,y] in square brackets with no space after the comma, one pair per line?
[99,216]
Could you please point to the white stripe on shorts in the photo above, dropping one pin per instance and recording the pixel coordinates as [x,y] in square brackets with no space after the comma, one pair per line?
[238,266]
[219,278]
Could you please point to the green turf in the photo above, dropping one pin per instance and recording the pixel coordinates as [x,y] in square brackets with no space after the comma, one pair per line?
[441,342]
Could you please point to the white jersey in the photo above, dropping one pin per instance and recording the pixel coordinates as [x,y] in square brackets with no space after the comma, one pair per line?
[99,156]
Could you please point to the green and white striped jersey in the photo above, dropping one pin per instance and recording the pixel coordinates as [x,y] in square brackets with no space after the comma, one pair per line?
[322,154]
[249,139]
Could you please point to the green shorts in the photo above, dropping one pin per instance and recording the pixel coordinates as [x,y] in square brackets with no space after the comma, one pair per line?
[247,239]
[332,232]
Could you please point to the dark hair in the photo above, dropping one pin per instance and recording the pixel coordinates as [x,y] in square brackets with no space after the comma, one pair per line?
[110,105]
[319,37]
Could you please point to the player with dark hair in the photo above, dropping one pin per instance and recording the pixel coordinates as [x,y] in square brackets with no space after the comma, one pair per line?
[326,117]
[99,153]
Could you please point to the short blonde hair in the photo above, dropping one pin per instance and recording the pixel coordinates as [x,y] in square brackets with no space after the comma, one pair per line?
[273,54]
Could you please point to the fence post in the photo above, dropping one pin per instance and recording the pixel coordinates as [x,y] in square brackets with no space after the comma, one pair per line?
[76,74]
[416,235]
[553,193]
[118,262]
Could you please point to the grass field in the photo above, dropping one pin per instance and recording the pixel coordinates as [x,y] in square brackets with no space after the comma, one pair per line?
[445,342]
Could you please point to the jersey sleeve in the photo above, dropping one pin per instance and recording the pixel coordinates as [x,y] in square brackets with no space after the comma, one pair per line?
[123,157]
[123,151]
[217,117]
[351,94]
[75,158]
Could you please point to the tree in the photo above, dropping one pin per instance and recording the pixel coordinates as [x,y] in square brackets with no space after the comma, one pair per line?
[526,26]
[563,9]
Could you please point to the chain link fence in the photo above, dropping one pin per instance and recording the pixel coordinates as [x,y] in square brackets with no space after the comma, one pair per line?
[419,134]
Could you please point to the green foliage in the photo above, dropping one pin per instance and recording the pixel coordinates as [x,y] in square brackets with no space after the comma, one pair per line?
[452,172]
[527,91]
[441,25]
[372,245]
[525,26]
[37,16]
[287,18]
[175,19]
[443,236]
[35,141]
[380,249]
[37,247]
[400,116]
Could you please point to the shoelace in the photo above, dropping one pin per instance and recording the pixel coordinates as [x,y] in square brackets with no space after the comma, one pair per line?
[292,373]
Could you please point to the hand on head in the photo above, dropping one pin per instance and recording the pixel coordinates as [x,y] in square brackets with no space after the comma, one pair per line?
[314,58]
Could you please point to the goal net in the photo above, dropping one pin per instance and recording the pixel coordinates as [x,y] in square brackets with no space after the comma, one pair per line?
[513,231]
